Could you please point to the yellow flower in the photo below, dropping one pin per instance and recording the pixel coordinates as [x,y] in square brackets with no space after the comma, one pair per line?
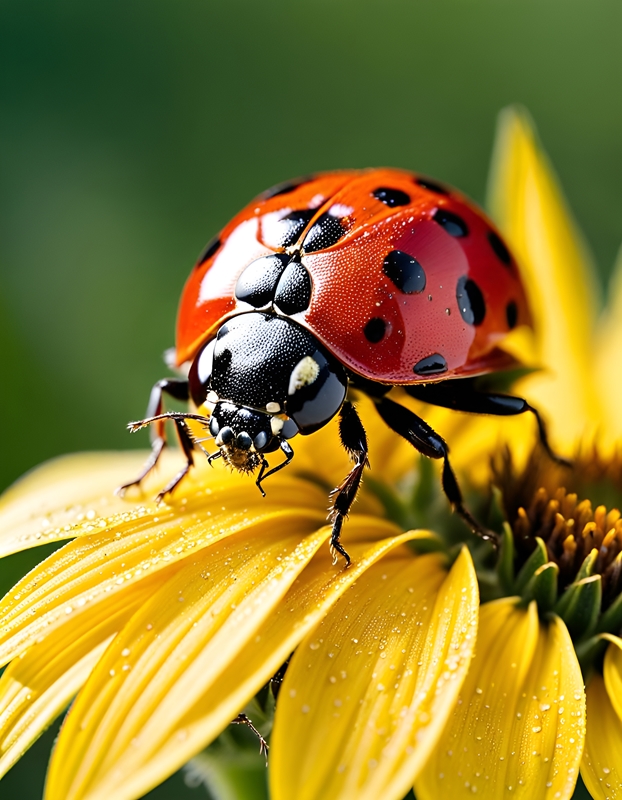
[206,598]
[166,621]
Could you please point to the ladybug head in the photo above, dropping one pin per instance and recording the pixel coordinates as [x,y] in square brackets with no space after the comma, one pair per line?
[242,434]
[265,378]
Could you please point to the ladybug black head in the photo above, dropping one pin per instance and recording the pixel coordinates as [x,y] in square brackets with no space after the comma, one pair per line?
[265,378]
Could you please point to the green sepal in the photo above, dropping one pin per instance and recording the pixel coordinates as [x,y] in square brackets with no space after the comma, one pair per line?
[395,508]
[589,565]
[611,620]
[431,543]
[229,775]
[505,565]
[537,559]
[590,653]
[579,606]
[542,588]
[504,380]
[496,512]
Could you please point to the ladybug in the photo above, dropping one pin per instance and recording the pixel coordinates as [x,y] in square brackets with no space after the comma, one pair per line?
[346,280]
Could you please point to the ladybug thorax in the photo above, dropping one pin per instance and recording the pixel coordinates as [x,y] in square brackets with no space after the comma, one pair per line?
[264,378]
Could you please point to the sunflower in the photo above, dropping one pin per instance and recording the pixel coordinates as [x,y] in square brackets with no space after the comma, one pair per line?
[167,622]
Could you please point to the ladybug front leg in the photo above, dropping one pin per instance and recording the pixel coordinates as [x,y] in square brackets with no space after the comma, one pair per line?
[179,390]
[429,443]
[289,454]
[354,439]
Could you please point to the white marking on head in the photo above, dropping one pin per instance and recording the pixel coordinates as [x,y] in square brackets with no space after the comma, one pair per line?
[212,397]
[303,374]
[273,408]
[276,425]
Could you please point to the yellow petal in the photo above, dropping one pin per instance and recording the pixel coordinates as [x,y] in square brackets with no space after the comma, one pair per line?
[601,768]
[519,725]
[608,359]
[163,660]
[612,672]
[59,499]
[74,496]
[368,691]
[528,204]
[100,567]
[314,591]
[37,687]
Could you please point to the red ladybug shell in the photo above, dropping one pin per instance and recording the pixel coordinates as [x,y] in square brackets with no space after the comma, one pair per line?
[440,318]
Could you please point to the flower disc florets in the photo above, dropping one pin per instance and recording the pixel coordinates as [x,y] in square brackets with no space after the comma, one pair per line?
[566,553]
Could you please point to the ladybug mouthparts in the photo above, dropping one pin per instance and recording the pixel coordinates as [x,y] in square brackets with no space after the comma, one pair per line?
[243,433]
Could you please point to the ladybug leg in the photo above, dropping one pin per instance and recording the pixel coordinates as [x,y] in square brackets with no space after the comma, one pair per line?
[429,443]
[289,454]
[464,397]
[354,440]
[179,389]
[187,446]
[242,719]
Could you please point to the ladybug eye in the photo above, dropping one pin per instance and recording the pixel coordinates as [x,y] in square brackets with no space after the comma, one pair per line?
[201,373]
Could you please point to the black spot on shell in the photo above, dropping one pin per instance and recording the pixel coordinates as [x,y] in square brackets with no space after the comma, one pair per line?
[257,284]
[431,365]
[293,293]
[501,251]
[470,301]
[511,313]
[326,231]
[292,225]
[452,223]
[431,186]
[210,249]
[375,330]
[284,188]
[405,272]
[391,197]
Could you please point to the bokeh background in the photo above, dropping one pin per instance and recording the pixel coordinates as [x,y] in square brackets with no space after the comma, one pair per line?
[131,131]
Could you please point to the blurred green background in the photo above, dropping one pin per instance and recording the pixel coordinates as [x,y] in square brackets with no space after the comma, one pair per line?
[132,130]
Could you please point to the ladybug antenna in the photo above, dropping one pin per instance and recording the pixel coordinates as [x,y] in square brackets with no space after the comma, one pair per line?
[172,415]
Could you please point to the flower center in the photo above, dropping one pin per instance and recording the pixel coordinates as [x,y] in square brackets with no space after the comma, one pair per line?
[563,551]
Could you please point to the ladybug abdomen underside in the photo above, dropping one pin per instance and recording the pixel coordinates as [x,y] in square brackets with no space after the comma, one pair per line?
[402,279]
